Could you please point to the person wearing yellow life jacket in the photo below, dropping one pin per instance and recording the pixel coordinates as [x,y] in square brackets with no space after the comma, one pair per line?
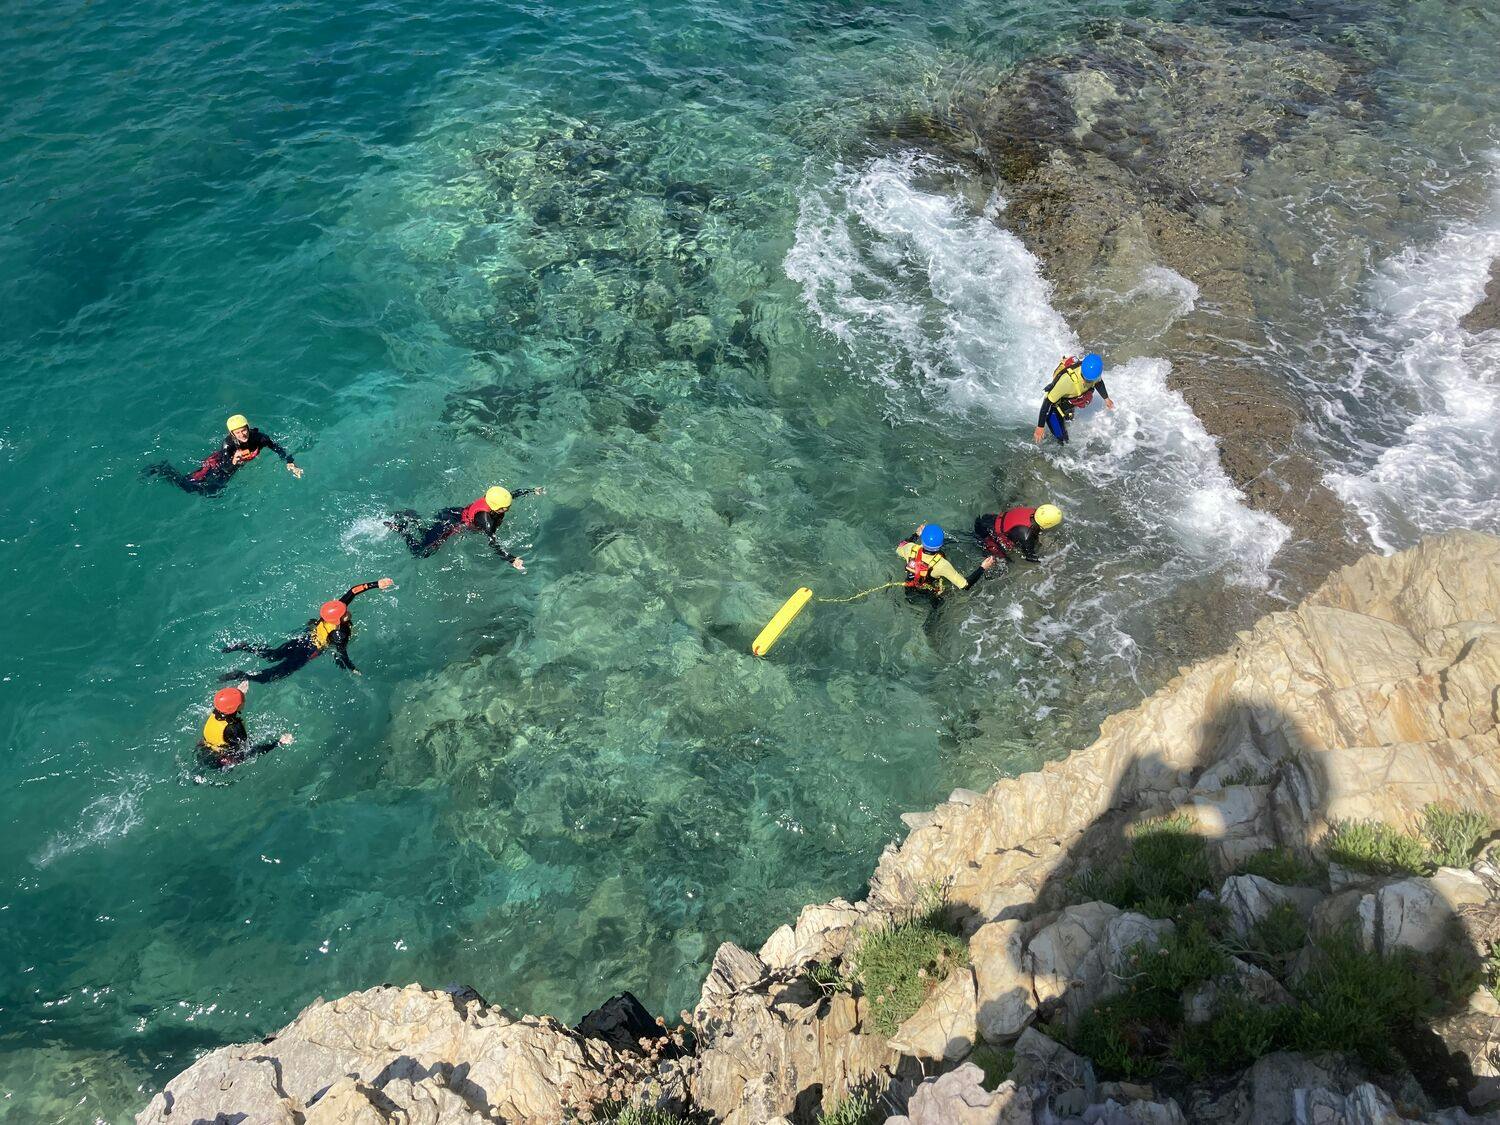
[331,629]
[928,571]
[484,515]
[1016,530]
[1072,387]
[242,445]
[225,742]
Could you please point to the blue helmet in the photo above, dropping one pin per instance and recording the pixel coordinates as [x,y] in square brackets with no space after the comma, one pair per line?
[932,538]
[1093,367]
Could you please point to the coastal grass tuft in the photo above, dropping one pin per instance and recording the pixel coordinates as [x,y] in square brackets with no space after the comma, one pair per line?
[826,975]
[1376,848]
[1162,871]
[1277,938]
[1349,1000]
[860,1108]
[1454,833]
[642,1115]
[899,966]
[1281,865]
[996,1062]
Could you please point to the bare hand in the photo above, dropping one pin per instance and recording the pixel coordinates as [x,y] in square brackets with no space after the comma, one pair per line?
[989,561]
[244,686]
[288,738]
[541,491]
[356,671]
[294,470]
[1037,437]
[385,583]
[519,564]
[1109,404]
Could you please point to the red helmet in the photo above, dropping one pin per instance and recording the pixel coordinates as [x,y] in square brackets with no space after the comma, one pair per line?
[333,612]
[228,700]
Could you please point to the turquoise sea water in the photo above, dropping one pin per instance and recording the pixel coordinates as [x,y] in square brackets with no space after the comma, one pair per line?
[658,260]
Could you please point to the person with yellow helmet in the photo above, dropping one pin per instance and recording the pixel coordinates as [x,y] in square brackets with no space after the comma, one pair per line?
[1071,388]
[1016,530]
[331,629]
[225,742]
[242,444]
[485,514]
[929,574]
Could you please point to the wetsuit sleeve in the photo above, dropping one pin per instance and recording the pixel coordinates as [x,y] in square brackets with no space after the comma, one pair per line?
[520,492]
[261,440]
[235,735]
[339,642]
[489,523]
[1025,538]
[1101,388]
[355,591]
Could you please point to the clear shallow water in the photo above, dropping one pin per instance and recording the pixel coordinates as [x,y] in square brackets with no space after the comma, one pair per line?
[650,259]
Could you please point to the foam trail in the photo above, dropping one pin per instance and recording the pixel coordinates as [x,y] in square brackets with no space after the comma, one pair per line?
[908,276]
[108,815]
[1443,470]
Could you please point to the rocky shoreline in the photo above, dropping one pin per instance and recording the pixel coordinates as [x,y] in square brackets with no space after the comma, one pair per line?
[1374,702]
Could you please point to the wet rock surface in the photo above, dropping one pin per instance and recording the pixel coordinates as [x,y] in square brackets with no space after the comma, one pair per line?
[1485,316]
[1124,159]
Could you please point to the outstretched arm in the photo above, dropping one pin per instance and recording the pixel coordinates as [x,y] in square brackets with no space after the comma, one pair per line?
[355,591]
[276,447]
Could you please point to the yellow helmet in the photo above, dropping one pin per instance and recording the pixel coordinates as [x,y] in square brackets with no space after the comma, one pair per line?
[497,498]
[1048,515]
[236,422]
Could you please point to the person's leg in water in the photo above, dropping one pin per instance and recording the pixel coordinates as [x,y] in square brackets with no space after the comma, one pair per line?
[420,541]
[206,480]
[285,659]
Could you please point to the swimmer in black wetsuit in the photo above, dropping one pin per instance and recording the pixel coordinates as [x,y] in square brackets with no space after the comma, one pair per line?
[331,629]
[242,446]
[225,742]
[485,514]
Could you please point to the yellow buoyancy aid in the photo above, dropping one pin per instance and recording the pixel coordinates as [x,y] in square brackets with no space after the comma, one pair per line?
[213,733]
[1068,381]
[322,631]
[927,570]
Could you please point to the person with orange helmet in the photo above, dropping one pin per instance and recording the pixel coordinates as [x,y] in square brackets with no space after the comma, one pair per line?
[331,629]
[484,515]
[225,742]
[242,445]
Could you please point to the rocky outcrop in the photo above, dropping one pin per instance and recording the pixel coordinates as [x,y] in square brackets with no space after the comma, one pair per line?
[1485,316]
[1376,696]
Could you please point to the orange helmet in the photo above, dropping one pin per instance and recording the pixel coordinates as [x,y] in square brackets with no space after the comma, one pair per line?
[333,612]
[228,700]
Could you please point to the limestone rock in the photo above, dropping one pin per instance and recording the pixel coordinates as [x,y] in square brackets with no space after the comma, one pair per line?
[959,1098]
[1079,959]
[1112,1112]
[1003,983]
[1417,913]
[1067,1080]
[1249,899]
[1242,982]
[732,969]
[945,1027]
[403,1043]
[821,933]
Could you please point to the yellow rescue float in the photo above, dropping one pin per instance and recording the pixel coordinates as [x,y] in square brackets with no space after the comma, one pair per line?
[777,625]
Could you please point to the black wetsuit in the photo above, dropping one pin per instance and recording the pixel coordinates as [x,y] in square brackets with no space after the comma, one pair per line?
[216,469]
[291,655]
[1018,537]
[424,541]
[236,748]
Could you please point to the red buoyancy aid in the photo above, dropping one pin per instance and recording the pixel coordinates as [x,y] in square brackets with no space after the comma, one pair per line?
[1007,523]
[917,569]
[1082,400]
[471,513]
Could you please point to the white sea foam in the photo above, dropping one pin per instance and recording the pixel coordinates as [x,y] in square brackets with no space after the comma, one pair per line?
[1443,470]
[107,816]
[909,278]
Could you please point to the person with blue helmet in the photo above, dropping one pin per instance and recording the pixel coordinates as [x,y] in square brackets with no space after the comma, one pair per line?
[1072,387]
[927,570]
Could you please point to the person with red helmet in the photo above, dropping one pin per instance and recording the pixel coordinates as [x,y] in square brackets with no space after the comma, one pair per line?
[331,629]
[225,742]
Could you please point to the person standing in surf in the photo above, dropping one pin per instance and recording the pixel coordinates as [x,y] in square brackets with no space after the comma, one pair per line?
[1072,388]
[242,445]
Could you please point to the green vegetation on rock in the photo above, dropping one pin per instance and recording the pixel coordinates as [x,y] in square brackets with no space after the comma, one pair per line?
[1281,865]
[1454,833]
[860,1108]
[1164,868]
[1451,835]
[900,965]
